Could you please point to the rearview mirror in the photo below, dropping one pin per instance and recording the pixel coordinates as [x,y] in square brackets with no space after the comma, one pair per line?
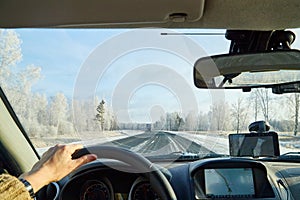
[251,70]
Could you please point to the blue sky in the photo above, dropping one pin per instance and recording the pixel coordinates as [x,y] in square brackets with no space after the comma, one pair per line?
[62,53]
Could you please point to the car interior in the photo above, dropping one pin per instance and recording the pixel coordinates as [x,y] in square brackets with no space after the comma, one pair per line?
[260,34]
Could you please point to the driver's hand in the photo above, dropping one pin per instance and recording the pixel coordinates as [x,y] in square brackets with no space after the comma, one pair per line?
[55,164]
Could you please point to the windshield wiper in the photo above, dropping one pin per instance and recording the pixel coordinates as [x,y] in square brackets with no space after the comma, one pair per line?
[184,156]
[290,156]
[293,156]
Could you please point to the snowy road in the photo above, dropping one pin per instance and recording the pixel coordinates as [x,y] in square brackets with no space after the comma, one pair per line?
[162,143]
[167,142]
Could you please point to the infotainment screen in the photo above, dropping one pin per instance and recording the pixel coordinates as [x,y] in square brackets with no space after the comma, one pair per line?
[229,182]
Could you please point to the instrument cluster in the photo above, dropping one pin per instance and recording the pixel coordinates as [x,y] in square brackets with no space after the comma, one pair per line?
[103,184]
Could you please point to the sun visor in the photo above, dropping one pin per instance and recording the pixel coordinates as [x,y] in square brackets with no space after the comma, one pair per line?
[76,13]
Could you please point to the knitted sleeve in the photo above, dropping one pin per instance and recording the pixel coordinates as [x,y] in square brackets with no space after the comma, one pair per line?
[11,188]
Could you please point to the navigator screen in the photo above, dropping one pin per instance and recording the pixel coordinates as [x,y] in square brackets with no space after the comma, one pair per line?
[229,182]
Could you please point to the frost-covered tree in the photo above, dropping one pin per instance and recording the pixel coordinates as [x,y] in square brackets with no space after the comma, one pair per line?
[83,116]
[191,122]
[219,116]
[293,102]
[203,121]
[114,123]
[239,113]
[174,121]
[27,78]
[264,100]
[58,109]
[160,124]
[179,122]
[17,83]
[78,115]
[100,115]
[254,103]
[10,54]
[107,120]
[105,117]
[42,114]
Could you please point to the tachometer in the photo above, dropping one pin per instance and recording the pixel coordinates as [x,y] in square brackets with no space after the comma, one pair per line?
[96,190]
[141,189]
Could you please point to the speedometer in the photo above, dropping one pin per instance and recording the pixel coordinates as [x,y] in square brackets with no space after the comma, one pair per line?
[96,190]
[141,189]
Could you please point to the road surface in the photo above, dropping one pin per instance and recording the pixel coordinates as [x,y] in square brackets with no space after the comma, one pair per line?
[167,142]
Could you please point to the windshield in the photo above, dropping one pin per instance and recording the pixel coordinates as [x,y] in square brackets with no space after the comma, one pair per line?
[134,89]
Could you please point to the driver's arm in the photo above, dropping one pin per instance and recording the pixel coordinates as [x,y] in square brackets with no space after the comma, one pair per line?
[12,188]
[55,164]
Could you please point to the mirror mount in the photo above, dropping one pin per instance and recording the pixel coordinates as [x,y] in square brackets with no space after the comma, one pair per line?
[228,78]
[259,127]
[281,40]
[245,41]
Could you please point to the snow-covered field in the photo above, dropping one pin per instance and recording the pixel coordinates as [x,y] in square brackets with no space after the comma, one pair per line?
[89,140]
[220,144]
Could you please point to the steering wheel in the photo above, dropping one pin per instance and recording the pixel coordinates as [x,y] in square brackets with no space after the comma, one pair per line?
[158,181]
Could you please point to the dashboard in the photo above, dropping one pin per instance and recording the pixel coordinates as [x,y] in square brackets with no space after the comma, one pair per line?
[221,178]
